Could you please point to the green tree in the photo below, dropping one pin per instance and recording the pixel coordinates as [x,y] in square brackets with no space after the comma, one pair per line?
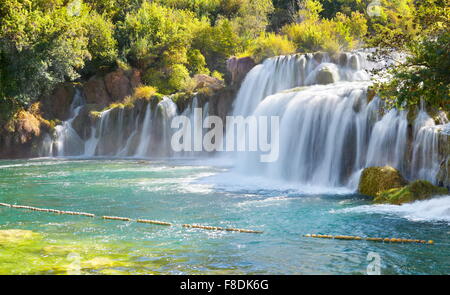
[252,18]
[102,45]
[268,45]
[217,43]
[39,47]
[314,33]
[157,39]
[424,38]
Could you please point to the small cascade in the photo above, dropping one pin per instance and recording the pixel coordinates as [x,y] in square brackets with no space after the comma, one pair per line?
[145,138]
[46,147]
[425,156]
[127,132]
[196,115]
[67,141]
[161,132]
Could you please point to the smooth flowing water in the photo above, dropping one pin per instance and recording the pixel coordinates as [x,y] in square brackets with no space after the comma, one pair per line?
[181,191]
[330,126]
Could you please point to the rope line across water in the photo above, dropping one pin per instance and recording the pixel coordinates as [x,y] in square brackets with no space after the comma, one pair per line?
[215,228]
[156,222]
[356,238]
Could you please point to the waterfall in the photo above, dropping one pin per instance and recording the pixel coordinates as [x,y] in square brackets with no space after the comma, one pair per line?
[329,128]
[286,72]
[145,137]
[124,132]
[67,139]
[425,158]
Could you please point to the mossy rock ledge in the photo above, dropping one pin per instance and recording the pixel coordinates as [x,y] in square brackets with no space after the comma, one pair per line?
[415,191]
[378,179]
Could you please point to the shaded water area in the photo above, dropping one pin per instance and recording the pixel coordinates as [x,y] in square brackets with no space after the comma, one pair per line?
[207,193]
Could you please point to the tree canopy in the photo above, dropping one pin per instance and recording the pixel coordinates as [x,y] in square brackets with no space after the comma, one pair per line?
[43,43]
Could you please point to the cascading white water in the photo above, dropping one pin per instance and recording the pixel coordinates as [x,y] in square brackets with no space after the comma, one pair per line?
[67,139]
[145,137]
[286,72]
[329,128]
[120,132]
[329,133]
[425,162]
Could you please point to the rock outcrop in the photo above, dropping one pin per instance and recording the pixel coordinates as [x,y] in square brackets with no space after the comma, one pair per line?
[239,67]
[112,87]
[19,137]
[204,81]
[117,85]
[443,176]
[326,75]
[95,91]
[57,104]
[354,63]
[378,179]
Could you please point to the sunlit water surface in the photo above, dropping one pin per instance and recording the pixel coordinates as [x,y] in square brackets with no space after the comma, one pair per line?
[195,192]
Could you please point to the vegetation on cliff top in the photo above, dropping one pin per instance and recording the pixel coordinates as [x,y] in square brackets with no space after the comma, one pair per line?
[420,30]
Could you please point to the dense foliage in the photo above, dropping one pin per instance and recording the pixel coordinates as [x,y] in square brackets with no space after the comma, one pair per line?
[422,34]
[45,42]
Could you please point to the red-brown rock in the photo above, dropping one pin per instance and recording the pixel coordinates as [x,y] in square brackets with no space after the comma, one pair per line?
[57,105]
[95,91]
[117,84]
[239,67]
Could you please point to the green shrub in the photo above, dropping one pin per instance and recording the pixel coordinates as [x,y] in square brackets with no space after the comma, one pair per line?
[144,92]
[268,45]
[341,33]
[101,45]
[216,43]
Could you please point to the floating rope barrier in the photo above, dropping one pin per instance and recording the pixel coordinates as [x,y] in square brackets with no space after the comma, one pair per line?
[116,218]
[156,222]
[221,228]
[356,238]
[214,228]
[47,210]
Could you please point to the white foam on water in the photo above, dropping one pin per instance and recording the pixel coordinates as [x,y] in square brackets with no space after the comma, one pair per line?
[266,202]
[28,164]
[433,210]
[235,182]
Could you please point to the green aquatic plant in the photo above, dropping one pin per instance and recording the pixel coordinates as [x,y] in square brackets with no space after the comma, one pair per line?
[416,191]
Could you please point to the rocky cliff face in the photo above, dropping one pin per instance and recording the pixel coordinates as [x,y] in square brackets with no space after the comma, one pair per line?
[443,177]
[29,128]
[19,137]
[238,68]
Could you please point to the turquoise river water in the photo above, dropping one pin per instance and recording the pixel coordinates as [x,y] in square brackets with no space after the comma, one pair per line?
[206,193]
